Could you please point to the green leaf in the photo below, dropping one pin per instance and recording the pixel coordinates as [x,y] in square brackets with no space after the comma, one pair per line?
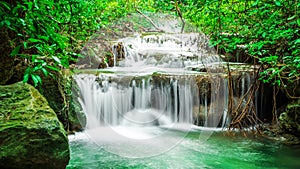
[290,18]
[39,79]
[29,4]
[25,78]
[45,38]
[255,3]
[15,51]
[33,58]
[26,74]
[45,71]
[36,4]
[25,45]
[40,48]
[56,59]
[34,40]
[5,4]
[36,79]
[17,9]
[52,68]
[39,61]
[22,21]
[7,22]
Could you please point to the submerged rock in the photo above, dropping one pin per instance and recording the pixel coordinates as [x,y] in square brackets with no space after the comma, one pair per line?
[31,136]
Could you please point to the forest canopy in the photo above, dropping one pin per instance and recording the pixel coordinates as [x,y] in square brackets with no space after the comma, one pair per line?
[49,34]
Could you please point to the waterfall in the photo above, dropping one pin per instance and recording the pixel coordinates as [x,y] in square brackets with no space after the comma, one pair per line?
[151,84]
[106,102]
[160,102]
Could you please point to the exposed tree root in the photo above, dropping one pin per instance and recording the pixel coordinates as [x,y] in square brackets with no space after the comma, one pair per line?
[244,114]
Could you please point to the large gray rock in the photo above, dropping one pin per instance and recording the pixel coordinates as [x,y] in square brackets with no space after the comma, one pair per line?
[31,136]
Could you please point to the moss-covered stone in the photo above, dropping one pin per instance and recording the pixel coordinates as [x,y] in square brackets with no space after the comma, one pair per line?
[61,93]
[290,119]
[31,136]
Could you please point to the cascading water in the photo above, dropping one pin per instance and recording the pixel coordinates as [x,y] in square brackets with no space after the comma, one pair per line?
[164,51]
[109,103]
[152,86]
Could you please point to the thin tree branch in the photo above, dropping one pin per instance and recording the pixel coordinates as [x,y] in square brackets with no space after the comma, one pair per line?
[150,20]
[180,15]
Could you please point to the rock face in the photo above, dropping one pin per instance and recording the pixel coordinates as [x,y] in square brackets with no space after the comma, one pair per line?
[31,136]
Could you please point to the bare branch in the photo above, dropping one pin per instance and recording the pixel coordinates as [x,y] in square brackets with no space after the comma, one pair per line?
[180,15]
[150,20]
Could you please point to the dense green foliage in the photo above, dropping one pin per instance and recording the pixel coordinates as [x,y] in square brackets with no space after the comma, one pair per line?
[267,30]
[50,34]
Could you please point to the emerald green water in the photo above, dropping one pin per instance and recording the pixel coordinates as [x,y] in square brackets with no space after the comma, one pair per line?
[217,152]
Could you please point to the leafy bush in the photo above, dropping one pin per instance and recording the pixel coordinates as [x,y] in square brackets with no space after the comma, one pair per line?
[38,39]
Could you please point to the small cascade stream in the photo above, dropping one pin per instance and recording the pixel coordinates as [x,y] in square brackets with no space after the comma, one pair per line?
[164,50]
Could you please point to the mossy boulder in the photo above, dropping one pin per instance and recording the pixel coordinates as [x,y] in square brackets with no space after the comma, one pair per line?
[62,94]
[290,119]
[31,136]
